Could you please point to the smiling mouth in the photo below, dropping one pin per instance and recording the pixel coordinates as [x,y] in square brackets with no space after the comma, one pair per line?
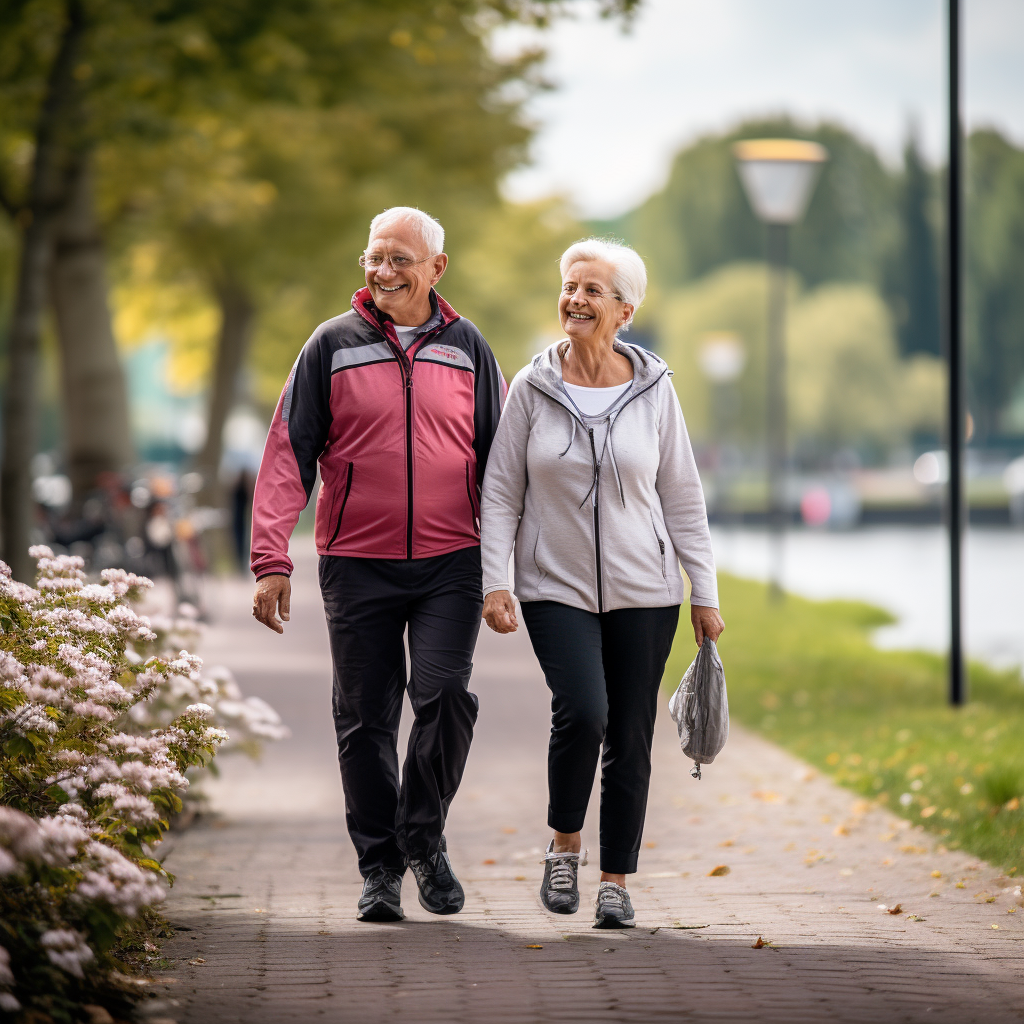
[580,316]
[396,288]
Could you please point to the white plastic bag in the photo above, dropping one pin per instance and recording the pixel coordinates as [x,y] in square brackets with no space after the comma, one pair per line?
[700,708]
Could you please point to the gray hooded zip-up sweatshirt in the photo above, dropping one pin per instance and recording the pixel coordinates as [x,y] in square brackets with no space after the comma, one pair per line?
[601,509]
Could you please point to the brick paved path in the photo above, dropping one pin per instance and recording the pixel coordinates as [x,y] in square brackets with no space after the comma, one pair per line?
[265,893]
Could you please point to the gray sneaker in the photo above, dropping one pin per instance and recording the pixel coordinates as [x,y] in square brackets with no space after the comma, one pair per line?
[613,907]
[559,891]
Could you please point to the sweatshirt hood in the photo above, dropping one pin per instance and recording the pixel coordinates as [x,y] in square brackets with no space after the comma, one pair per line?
[545,372]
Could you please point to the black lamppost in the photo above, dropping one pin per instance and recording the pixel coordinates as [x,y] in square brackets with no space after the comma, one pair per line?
[778,176]
[953,325]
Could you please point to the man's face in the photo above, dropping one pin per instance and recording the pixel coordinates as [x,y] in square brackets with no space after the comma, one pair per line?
[401,285]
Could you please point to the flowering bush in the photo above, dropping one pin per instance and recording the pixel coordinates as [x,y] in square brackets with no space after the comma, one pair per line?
[99,725]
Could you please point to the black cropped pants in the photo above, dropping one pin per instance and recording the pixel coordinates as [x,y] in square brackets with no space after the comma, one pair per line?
[604,671]
[369,604]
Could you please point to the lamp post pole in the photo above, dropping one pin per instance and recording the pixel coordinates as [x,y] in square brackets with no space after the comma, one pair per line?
[778,245]
[778,176]
[953,323]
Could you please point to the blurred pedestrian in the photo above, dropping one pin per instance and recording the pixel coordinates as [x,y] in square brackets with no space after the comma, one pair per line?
[241,513]
[592,479]
[397,400]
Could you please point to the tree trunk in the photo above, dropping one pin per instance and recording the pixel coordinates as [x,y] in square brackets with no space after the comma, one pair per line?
[97,429]
[237,316]
[54,159]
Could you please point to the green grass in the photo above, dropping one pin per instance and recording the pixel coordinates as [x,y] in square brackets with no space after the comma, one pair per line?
[804,674]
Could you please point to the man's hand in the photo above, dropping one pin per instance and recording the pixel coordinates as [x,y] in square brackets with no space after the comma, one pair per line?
[273,593]
[500,612]
[706,622]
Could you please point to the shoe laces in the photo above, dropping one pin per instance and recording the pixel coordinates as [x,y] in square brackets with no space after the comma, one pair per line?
[563,869]
[613,894]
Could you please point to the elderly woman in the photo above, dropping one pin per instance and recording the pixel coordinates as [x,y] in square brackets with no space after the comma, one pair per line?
[591,477]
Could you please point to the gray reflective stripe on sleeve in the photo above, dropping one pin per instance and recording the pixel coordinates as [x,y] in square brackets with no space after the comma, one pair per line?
[447,355]
[286,405]
[347,357]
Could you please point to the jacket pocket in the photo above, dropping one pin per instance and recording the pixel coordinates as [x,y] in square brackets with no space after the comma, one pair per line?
[344,501]
[474,508]
[661,547]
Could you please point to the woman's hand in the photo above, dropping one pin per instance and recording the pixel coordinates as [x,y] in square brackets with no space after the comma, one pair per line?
[500,612]
[706,622]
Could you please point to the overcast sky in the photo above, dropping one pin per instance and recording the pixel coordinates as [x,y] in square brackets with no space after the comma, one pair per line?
[624,103]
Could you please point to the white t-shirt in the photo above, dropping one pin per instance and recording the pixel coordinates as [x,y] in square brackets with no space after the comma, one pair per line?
[594,401]
[407,335]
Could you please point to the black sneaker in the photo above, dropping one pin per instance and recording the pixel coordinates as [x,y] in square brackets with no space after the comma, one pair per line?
[381,899]
[440,892]
[559,891]
[613,907]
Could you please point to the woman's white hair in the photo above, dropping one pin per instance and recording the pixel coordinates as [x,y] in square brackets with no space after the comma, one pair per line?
[629,278]
[430,230]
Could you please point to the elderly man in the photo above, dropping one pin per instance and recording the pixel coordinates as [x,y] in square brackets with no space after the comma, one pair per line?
[397,400]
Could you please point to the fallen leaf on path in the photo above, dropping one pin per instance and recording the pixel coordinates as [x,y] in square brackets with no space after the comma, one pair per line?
[996,927]
[650,845]
[766,795]
[914,917]
[911,848]
[991,899]
[898,909]
[258,910]
[840,830]
[608,949]
[490,860]
[727,842]
[936,874]
[679,926]
[861,807]
[196,961]
[520,878]
[508,830]
[535,947]
[960,885]
[759,944]
[719,870]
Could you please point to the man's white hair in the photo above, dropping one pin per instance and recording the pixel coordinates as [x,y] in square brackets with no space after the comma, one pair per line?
[629,278]
[430,230]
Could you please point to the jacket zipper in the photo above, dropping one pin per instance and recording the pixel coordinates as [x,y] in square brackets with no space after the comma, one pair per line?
[597,523]
[408,457]
[469,494]
[344,500]
[661,546]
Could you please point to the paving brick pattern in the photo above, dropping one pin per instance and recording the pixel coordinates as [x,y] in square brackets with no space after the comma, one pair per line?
[265,896]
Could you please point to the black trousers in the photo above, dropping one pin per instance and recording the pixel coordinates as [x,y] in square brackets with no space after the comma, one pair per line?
[369,603]
[604,671]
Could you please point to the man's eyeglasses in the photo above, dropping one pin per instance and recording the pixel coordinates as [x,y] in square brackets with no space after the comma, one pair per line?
[376,260]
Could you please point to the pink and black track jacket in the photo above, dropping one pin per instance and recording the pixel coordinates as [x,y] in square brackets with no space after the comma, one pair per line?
[401,438]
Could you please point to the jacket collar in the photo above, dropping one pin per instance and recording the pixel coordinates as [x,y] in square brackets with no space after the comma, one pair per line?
[441,313]
[545,372]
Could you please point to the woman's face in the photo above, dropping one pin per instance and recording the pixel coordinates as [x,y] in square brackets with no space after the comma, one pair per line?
[588,307]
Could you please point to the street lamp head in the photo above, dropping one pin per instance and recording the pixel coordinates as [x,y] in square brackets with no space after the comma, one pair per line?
[778,176]
[722,357]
